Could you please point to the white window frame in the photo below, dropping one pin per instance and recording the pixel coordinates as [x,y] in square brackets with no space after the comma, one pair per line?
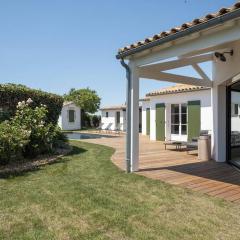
[179,136]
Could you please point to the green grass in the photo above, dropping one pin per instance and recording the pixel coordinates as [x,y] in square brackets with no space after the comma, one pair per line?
[84,196]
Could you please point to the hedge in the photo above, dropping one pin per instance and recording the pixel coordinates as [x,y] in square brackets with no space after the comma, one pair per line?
[11,94]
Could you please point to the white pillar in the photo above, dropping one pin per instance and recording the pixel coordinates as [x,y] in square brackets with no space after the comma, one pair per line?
[134,118]
[218,94]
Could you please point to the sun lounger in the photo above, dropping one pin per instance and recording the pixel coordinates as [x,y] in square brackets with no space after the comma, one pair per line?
[177,144]
[100,128]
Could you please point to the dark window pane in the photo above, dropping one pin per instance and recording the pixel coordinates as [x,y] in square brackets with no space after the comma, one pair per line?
[175,129]
[236,109]
[184,119]
[184,129]
[118,117]
[107,114]
[71,116]
[175,119]
[184,108]
[175,108]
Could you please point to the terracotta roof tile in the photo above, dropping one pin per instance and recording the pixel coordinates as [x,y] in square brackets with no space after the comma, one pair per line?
[183,27]
[176,89]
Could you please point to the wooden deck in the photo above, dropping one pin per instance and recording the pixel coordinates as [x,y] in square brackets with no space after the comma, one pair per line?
[179,168]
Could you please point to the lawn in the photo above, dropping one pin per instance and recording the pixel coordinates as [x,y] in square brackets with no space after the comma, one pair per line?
[84,196]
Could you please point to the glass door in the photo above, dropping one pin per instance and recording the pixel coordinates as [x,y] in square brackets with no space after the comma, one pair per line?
[233,121]
[179,122]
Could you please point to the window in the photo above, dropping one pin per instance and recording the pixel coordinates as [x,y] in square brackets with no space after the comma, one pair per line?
[106,114]
[236,109]
[179,119]
[71,116]
[118,117]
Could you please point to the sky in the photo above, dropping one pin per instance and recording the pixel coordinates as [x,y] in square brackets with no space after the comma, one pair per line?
[56,45]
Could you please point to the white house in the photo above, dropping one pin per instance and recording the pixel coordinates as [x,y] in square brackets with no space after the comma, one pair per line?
[114,118]
[177,113]
[214,38]
[70,118]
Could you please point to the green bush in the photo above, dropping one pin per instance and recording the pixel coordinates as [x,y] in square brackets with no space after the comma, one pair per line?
[96,120]
[60,140]
[34,120]
[13,139]
[11,94]
[28,133]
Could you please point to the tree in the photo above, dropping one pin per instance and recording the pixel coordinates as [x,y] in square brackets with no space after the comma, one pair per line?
[87,99]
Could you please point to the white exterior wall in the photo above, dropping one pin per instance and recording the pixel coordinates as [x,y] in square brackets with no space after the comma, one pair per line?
[111,120]
[206,111]
[63,120]
[145,105]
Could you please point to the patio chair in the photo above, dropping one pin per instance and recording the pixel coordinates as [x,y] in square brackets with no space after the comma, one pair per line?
[108,129]
[193,145]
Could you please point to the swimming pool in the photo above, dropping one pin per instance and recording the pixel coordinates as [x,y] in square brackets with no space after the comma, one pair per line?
[76,136]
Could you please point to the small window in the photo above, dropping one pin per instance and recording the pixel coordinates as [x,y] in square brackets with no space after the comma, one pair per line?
[71,116]
[106,114]
[236,109]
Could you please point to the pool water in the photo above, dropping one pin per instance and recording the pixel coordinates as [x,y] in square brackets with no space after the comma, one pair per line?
[75,136]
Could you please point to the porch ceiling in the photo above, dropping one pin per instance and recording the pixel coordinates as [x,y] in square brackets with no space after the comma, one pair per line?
[156,71]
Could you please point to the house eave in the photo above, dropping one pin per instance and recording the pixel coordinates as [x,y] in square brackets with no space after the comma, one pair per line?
[194,29]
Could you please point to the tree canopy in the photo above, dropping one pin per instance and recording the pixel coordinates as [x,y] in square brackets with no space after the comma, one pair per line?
[85,98]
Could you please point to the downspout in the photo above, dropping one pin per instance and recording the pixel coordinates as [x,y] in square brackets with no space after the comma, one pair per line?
[128,113]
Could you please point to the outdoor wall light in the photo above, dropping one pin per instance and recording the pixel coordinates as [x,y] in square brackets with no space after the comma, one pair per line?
[221,55]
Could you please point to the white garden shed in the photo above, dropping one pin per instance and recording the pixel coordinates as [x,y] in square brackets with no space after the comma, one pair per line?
[70,118]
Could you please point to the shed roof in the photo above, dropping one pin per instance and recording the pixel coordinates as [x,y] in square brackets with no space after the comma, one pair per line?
[185,26]
[117,107]
[67,103]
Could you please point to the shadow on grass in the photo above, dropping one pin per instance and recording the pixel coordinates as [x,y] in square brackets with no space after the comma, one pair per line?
[21,170]
[76,150]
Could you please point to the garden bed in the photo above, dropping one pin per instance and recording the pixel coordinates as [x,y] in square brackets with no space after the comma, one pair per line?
[30,164]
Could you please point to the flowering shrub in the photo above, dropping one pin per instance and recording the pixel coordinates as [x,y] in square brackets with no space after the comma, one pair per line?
[13,140]
[28,133]
[34,120]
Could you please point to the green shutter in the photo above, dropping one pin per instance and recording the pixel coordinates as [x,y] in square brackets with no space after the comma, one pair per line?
[160,122]
[148,121]
[194,116]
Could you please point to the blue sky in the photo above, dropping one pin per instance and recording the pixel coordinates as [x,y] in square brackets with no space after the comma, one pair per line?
[56,45]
